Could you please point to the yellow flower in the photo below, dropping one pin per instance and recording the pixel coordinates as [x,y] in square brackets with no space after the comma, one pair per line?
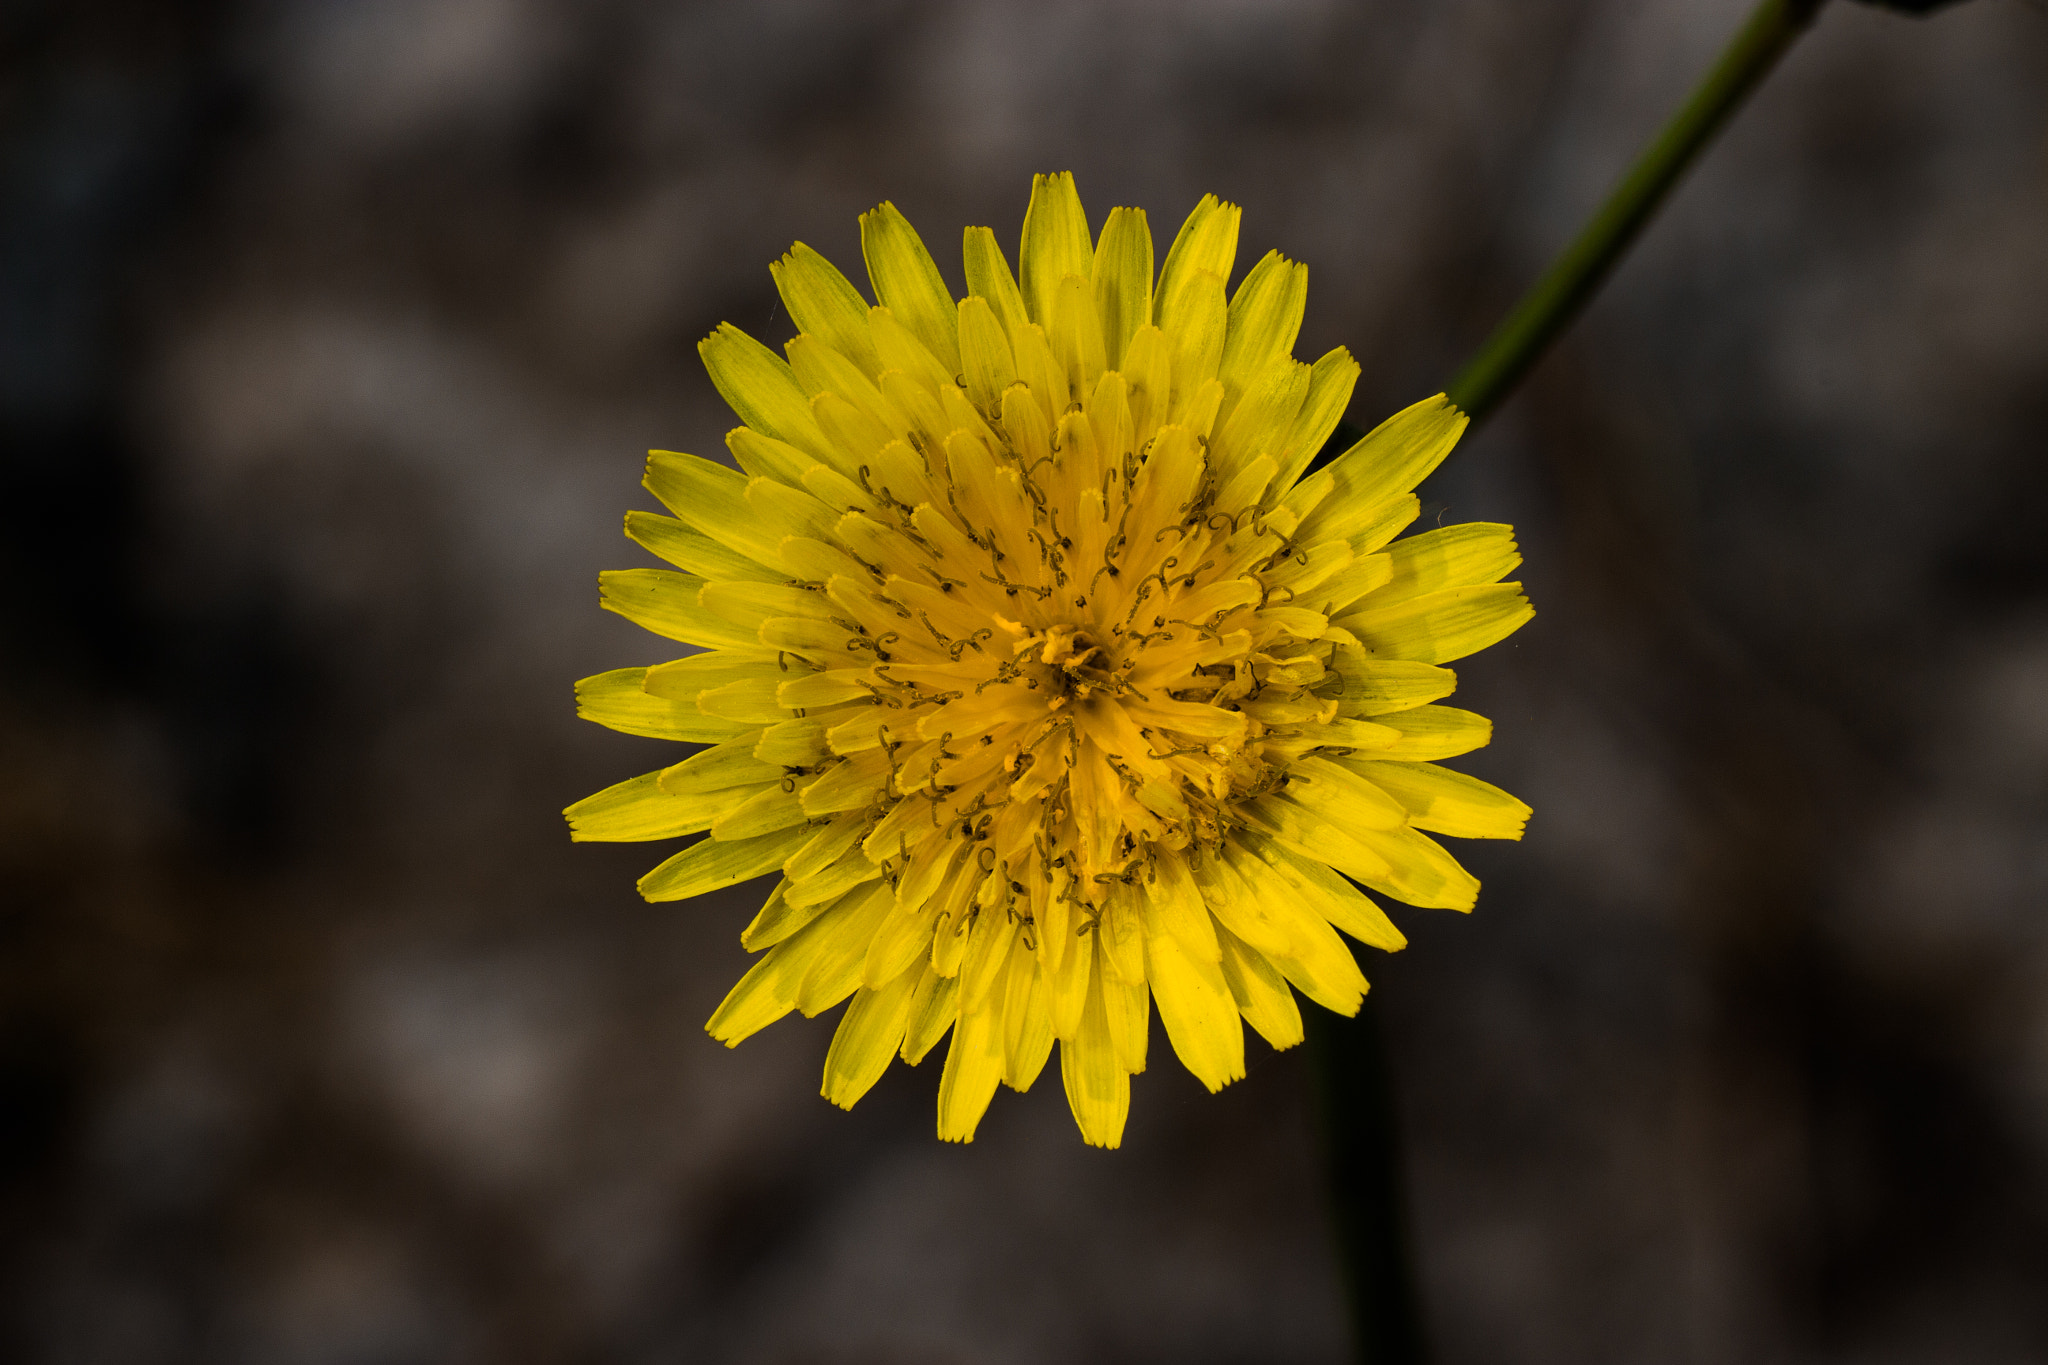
[1038,671]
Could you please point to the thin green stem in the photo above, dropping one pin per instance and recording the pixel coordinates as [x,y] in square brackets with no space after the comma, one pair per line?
[1573,279]
[1368,1198]
[1366,1175]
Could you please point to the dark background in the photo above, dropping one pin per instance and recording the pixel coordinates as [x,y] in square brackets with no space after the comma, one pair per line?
[331,337]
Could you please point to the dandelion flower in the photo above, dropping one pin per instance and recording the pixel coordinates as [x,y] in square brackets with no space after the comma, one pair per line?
[1032,663]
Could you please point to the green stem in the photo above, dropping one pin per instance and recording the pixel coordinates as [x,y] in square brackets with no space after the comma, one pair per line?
[1367,1198]
[1573,279]
[1366,1177]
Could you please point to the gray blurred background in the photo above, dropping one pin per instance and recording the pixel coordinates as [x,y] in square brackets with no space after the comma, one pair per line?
[331,336]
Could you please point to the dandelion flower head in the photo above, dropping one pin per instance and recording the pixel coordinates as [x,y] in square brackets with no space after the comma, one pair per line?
[1035,666]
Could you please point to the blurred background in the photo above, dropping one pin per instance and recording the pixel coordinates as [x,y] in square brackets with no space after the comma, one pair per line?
[332,334]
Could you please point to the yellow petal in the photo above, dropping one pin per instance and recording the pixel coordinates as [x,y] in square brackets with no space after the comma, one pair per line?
[852,785]
[1076,334]
[763,995]
[1123,280]
[1450,557]
[1098,1087]
[777,920]
[791,744]
[1429,732]
[985,360]
[1055,243]
[905,350]
[988,949]
[830,486]
[712,499]
[1196,1006]
[1448,802]
[908,282]
[989,278]
[763,813]
[1299,622]
[904,937]
[820,370]
[1027,1025]
[824,303]
[689,678]
[721,768]
[1128,1006]
[1166,482]
[746,604]
[692,550]
[1317,962]
[1198,413]
[1386,462]
[1148,365]
[615,700]
[761,456]
[1364,574]
[1197,321]
[827,846]
[1257,425]
[949,951]
[1265,317]
[932,1011]
[1174,905]
[1207,241]
[1329,977]
[1238,911]
[1121,932]
[1382,523]
[1109,414]
[1372,687]
[1336,792]
[867,1038]
[1070,982]
[1442,626]
[1329,393]
[1347,733]
[757,384]
[1262,996]
[665,602]
[751,700]
[788,510]
[805,964]
[807,690]
[814,561]
[710,864]
[1025,423]
[638,809]
[1040,369]
[1322,890]
[1419,870]
[974,1067]
[852,869]
[835,972]
[1309,833]
[814,641]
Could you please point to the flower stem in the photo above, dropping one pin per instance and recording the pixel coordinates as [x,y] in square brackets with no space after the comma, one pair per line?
[1368,1198]
[1549,307]
[1365,1170]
